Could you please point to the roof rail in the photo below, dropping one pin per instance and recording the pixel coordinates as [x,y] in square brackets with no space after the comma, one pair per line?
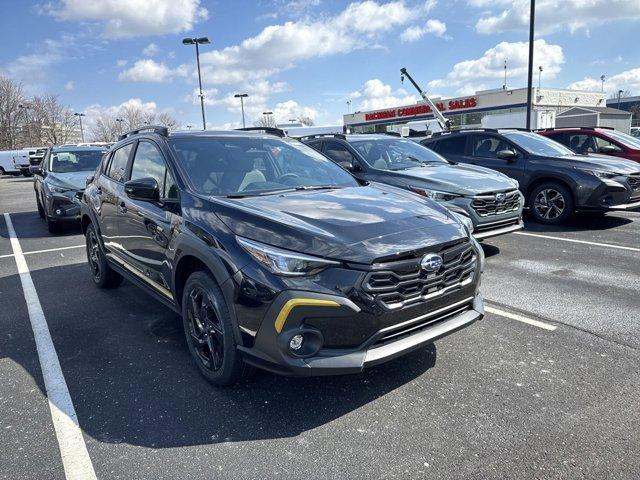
[159,129]
[342,136]
[550,129]
[278,132]
[393,134]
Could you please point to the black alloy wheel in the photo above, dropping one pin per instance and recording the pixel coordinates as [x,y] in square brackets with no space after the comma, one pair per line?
[101,273]
[209,331]
[551,203]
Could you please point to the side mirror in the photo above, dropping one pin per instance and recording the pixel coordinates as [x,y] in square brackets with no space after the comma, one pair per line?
[35,170]
[143,189]
[607,149]
[89,180]
[347,165]
[508,155]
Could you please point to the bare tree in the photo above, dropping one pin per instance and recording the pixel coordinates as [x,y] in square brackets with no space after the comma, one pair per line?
[104,128]
[167,120]
[53,122]
[11,115]
[265,121]
[306,120]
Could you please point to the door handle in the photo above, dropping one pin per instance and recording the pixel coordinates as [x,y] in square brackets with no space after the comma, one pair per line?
[122,207]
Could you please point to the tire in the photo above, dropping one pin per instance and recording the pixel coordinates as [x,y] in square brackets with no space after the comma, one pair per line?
[551,203]
[2,172]
[40,208]
[102,274]
[209,331]
[52,225]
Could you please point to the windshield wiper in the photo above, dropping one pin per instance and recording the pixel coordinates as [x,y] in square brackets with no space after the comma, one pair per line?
[316,187]
[281,190]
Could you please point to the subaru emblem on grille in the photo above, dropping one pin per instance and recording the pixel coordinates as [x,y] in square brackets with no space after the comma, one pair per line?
[500,197]
[431,262]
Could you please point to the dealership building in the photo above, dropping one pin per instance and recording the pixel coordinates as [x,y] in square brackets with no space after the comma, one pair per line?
[499,108]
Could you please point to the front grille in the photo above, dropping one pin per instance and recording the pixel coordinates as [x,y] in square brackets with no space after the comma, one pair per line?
[494,225]
[634,182]
[405,282]
[412,327]
[493,204]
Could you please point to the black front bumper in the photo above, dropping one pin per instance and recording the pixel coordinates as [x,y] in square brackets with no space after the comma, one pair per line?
[63,207]
[425,324]
[612,195]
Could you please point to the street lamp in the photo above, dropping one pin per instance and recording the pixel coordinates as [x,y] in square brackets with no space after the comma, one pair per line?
[602,78]
[26,109]
[80,115]
[620,92]
[348,105]
[189,126]
[196,42]
[268,118]
[119,121]
[539,77]
[242,96]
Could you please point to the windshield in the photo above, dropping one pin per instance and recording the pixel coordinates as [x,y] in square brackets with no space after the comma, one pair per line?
[75,161]
[626,140]
[396,153]
[537,144]
[239,166]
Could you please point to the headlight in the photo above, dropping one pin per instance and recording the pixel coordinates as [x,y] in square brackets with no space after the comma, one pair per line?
[480,253]
[466,221]
[56,189]
[435,195]
[515,182]
[600,173]
[284,262]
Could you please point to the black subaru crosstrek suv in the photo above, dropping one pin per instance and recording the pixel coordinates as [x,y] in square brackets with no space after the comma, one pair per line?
[274,256]
[555,181]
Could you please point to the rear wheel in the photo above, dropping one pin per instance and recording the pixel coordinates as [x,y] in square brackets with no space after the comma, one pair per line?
[101,273]
[209,331]
[551,203]
[2,172]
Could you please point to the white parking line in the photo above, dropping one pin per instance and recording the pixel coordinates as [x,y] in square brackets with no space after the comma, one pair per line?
[597,244]
[520,318]
[75,458]
[48,250]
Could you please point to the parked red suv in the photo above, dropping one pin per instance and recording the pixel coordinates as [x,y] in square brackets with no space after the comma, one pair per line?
[602,140]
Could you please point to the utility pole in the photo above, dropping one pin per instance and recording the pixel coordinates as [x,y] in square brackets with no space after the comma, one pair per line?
[532,18]
[80,115]
[26,109]
[196,42]
[602,78]
[242,96]
[504,87]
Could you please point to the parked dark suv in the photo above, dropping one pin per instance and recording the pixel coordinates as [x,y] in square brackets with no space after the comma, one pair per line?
[489,199]
[554,180]
[276,257]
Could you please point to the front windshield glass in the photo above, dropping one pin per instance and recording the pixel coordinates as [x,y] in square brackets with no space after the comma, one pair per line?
[623,138]
[75,161]
[239,166]
[537,144]
[396,153]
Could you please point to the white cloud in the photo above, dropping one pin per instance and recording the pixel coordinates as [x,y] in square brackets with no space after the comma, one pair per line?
[131,18]
[627,80]
[490,66]
[121,63]
[416,32]
[285,111]
[150,50]
[148,70]
[376,94]
[278,47]
[554,15]
[70,85]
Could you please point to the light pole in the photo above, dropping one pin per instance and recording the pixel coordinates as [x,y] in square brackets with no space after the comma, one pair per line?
[26,109]
[267,118]
[602,78]
[532,18]
[504,87]
[539,77]
[242,96]
[80,115]
[348,105]
[619,94]
[119,122]
[196,42]
[189,126]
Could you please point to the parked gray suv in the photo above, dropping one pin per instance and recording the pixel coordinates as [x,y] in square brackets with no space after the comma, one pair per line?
[491,200]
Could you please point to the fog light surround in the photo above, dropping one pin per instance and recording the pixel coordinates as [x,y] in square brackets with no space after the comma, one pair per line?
[296,342]
[301,342]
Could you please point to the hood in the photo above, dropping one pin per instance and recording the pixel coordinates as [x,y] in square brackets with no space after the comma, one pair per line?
[596,162]
[74,180]
[459,179]
[357,224]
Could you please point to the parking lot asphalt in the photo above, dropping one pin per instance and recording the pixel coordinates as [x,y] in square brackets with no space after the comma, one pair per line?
[501,399]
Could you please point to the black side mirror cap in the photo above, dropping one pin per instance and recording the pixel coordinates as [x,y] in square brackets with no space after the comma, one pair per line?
[143,189]
[508,155]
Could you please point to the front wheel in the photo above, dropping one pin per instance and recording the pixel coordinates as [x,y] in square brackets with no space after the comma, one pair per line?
[209,331]
[40,208]
[551,203]
[102,274]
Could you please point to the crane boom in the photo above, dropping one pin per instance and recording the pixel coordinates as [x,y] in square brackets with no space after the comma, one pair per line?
[444,123]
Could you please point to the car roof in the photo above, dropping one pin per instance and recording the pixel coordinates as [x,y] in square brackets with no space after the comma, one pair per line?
[76,148]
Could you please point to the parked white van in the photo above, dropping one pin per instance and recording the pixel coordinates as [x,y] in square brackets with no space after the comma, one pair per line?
[7,165]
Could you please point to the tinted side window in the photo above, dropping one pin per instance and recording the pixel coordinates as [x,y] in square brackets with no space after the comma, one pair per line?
[487,146]
[454,145]
[148,162]
[337,152]
[118,165]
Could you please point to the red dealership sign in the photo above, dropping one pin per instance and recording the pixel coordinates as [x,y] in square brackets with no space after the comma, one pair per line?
[421,109]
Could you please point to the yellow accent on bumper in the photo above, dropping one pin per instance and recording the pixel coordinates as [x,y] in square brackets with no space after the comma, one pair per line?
[281,319]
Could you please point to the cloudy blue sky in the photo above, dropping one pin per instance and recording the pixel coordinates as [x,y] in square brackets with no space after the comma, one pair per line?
[306,57]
